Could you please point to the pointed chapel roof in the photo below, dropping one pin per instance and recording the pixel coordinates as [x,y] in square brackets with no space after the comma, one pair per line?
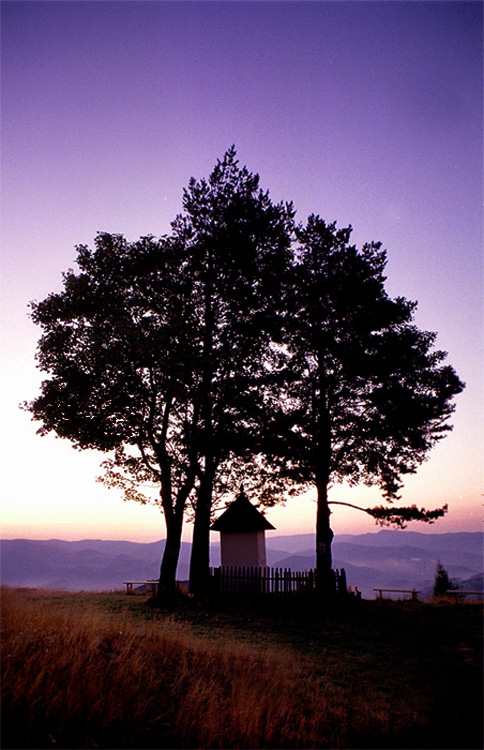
[241,516]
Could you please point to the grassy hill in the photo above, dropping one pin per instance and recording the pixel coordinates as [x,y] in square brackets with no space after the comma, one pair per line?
[109,671]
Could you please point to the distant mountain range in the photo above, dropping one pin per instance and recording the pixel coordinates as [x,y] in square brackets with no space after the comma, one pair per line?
[390,559]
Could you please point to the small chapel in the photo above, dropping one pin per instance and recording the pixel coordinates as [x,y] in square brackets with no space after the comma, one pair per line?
[242,534]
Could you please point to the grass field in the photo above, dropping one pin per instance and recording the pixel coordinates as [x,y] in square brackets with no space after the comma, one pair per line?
[108,671]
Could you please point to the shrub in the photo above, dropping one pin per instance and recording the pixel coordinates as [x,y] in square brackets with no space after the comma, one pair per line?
[442,582]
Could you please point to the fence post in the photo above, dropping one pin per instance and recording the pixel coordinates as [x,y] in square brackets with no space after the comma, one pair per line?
[215,573]
[342,588]
[255,580]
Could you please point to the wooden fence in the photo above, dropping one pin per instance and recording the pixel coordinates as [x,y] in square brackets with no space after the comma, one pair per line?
[234,580]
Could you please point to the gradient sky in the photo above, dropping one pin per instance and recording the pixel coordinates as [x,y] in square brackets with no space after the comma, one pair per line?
[367,113]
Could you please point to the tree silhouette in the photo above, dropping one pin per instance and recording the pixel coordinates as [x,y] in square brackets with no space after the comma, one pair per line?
[240,345]
[118,344]
[156,352]
[442,582]
[236,248]
[366,394]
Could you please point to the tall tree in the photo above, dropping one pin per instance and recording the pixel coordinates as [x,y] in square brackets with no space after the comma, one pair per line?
[155,351]
[119,346]
[215,350]
[367,395]
[237,246]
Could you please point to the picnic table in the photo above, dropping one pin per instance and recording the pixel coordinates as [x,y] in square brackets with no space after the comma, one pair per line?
[413,592]
[151,586]
[458,593]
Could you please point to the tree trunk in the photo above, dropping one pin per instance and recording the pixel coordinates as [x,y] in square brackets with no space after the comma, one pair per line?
[169,562]
[324,538]
[200,557]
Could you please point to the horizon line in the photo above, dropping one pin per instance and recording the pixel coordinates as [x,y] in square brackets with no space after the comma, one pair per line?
[274,536]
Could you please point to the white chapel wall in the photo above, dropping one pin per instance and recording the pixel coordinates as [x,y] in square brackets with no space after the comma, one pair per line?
[244,549]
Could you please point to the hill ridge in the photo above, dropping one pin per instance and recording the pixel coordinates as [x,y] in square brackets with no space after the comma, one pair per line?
[386,558]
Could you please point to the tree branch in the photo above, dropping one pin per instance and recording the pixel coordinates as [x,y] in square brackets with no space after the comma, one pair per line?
[398,517]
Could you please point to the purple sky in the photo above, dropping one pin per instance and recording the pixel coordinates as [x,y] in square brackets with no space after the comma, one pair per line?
[367,113]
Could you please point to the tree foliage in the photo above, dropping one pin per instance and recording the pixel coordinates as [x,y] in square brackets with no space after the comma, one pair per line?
[119,345]
[442,582]
[155,351]
[241,346]
[366,395]
[236,243]
[398,517]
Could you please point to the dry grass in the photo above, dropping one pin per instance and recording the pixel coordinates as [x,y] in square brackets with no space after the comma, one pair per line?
[75,676]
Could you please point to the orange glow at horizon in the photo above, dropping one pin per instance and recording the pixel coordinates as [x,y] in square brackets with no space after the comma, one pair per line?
[55,494]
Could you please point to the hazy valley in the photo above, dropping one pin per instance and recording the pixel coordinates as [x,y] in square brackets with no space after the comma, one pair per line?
[397,559]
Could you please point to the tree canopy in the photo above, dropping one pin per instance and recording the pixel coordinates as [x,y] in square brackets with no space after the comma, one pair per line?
[236,245]
[155,351]
[120,348]
[241,344]
[365,394]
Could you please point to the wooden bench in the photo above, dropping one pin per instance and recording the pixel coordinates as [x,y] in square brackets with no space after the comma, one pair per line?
[414,593]
[458,593]
[152,586]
